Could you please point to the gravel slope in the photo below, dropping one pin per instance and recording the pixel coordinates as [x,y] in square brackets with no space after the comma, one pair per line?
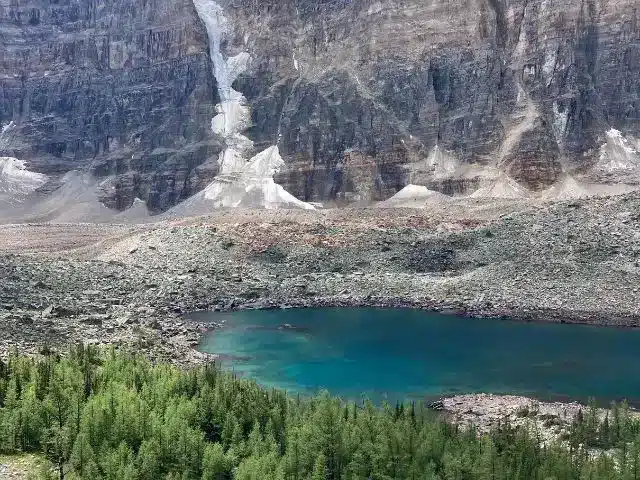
[572,261]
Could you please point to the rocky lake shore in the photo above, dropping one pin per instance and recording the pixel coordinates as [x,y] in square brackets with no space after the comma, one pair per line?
[575,261]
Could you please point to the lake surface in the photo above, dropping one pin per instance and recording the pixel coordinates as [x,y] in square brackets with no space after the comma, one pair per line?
[403,354]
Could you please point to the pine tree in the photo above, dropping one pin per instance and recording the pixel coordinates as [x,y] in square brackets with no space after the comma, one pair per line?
[319,468]
[149,466]
[139,421]
[57,441]
[82,456]
[215,464]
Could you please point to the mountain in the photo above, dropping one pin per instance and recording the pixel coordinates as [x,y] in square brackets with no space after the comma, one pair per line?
[355,93]
[122,88]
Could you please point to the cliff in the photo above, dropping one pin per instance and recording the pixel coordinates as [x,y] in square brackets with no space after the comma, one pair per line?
[360,96]
[529,86]
[120,87]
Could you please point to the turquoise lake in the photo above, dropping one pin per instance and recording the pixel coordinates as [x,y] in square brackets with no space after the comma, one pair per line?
[403,354]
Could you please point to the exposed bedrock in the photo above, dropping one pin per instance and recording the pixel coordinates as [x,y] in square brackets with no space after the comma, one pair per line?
[535,160]
[529,85]
[352,92]
[121,86]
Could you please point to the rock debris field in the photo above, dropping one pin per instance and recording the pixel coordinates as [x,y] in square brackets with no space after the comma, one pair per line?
[572,261]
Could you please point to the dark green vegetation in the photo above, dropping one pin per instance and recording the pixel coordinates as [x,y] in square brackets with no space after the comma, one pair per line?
[115,416]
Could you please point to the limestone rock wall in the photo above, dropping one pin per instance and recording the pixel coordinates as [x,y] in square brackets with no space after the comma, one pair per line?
[353,92]
[123,87]
[528,85]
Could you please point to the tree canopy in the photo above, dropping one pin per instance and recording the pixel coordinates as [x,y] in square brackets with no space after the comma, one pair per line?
[115,416]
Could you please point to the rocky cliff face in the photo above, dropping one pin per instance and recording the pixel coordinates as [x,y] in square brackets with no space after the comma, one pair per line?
[123,87]
[357,94]
[529,86]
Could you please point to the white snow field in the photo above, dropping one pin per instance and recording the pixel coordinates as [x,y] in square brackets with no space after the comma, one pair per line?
[252,187]
[239,183]
[618,153]
[16,182]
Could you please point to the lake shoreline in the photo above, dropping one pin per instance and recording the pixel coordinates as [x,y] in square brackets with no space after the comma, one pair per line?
[131,285]
[549,413]
[485,411]
[471,310]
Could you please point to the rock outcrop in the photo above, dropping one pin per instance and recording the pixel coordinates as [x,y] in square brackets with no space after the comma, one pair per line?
[122,87]
[530,86]
[352,92]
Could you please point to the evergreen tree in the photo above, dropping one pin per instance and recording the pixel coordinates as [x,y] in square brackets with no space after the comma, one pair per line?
[319,468]
[82,456]
[113,415]
[215,464]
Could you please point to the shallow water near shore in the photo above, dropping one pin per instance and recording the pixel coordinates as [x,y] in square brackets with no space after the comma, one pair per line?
[403,354]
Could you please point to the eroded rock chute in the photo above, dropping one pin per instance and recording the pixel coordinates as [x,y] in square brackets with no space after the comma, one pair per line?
[240,183]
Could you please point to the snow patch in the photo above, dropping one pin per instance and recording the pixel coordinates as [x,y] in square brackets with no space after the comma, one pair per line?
[233,116]
[6,128]
[5,134]
[618,153]
[16,181]
[413,196]
[254,187]
[251,187]
[239,183]
[503,187]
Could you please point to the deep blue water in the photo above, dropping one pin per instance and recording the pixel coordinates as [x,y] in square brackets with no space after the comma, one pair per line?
[401,354]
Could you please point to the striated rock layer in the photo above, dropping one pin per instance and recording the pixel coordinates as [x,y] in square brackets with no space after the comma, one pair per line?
[528,86]
[121,86]
[354,93]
